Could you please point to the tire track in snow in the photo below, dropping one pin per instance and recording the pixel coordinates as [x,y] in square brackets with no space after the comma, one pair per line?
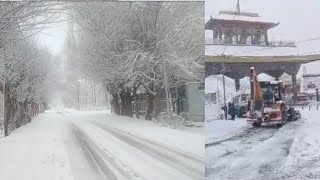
[252,143]
[147,141]
[98,157]
[249,137]
[245,134]
[184,163]
[244,141]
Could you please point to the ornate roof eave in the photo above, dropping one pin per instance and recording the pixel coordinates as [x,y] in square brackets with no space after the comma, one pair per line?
[265,59]
[209,23]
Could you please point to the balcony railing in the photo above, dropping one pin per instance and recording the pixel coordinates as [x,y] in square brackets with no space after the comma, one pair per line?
[216,41]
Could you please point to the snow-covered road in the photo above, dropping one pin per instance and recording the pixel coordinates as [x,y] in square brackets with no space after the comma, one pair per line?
[98,145]
[267,152]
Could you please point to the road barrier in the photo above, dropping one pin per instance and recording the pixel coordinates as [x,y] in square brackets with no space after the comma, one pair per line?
[310,106]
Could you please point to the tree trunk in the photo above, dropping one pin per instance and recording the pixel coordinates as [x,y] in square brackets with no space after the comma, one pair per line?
[19,119]
[179,101]
[6,110]
[26,111]
[9,109]
[122,104]
[115,104]
[150,102]
[37,109]
[128,103]
[157,103]
[179,105]
[136,104]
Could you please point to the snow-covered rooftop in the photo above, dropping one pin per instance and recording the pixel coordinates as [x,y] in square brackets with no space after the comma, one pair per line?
[243,16]
[305,48]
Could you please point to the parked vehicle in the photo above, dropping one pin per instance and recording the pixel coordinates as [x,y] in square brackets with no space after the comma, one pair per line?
[241,104]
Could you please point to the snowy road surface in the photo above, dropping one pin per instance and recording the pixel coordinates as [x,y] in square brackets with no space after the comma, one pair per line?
[268,152]
[68,145]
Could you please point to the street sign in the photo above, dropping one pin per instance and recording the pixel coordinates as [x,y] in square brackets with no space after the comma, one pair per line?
[311,81]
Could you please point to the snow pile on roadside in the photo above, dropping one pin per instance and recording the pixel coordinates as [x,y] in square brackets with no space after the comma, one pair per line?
[212,112]
[303,161]
[214,83]
[218,129]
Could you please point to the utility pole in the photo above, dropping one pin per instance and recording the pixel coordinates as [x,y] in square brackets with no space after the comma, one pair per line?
[224,93]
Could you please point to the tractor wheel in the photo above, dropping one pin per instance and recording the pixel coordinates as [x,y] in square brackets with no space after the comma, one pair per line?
[292,114]
[284,116]
[280,125]
[257,124]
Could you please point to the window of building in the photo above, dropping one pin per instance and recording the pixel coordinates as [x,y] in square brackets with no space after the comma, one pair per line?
[201,86]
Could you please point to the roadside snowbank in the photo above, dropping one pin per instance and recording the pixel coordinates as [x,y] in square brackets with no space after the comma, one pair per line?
[303,161]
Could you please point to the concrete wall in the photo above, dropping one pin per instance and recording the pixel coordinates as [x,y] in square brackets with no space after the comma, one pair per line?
[193,105]
[196,102]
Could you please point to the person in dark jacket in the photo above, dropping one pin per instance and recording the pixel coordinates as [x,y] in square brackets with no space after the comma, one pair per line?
[232,110]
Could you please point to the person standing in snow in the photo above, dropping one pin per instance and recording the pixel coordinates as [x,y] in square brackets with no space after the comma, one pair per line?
[232,110]
[224,108]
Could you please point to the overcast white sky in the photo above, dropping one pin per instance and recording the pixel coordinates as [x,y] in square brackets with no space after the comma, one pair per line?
[54,38]
[299,19]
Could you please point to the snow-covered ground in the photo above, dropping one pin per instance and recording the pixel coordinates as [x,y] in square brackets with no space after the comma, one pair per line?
[303,161]
[66,145]
[238,151]
[217,129]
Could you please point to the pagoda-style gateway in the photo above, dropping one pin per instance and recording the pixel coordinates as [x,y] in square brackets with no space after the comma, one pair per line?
[240,40]
[239,28]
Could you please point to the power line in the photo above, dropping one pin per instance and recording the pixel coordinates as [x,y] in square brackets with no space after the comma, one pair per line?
[307,40]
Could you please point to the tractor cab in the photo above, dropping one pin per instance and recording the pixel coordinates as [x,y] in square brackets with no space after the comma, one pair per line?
[272,92]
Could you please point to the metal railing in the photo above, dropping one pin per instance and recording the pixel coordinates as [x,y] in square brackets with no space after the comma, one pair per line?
[216,41]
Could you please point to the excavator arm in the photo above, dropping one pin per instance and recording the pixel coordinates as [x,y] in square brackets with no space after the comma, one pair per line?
[256,92]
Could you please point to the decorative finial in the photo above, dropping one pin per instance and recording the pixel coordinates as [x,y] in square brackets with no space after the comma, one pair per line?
[238,7]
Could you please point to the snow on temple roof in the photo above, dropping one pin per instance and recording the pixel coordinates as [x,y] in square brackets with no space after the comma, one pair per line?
[306,48]
[243,16]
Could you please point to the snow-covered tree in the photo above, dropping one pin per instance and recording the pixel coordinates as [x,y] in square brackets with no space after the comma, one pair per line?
[26,69]
[25,64]
[132,44]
